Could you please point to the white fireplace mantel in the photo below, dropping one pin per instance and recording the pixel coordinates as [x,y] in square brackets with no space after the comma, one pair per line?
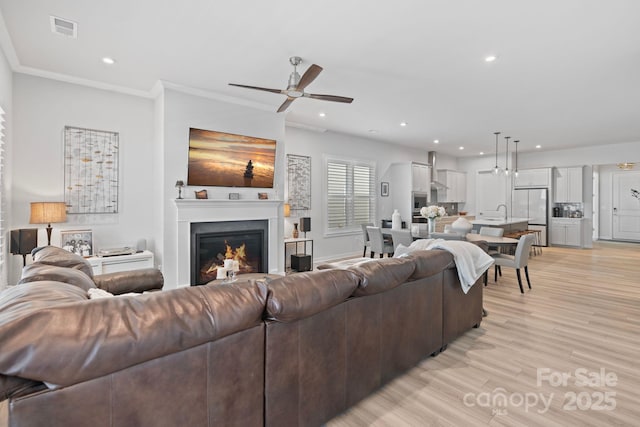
[210,210]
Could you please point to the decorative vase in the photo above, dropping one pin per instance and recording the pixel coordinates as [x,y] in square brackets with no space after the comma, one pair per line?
[295,233]
[396,220]
[461,226]
[432,225]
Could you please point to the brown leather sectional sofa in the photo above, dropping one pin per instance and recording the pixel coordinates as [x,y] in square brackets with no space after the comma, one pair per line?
[298,350]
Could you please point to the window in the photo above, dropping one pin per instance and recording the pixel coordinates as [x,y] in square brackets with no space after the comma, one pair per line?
[3,274]
[351,195]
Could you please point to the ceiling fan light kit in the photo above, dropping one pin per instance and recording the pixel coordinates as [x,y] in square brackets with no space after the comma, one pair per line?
[297,84]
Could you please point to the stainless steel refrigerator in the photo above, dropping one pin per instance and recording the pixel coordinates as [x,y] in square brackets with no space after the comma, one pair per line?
[533,203]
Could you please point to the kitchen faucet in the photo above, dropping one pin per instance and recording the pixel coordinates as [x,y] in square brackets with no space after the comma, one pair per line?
[505,210]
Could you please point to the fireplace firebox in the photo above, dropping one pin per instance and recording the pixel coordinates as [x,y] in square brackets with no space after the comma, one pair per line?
[213,242]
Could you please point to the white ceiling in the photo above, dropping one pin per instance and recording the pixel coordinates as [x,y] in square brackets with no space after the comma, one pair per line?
[567,74]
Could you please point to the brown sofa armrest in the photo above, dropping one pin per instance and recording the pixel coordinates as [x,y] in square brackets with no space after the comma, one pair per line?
[121,282]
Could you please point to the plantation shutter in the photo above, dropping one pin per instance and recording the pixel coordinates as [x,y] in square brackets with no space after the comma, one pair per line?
[3,268]
[350,195]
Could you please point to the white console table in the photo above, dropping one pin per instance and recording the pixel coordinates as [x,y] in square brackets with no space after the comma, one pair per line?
[112,264]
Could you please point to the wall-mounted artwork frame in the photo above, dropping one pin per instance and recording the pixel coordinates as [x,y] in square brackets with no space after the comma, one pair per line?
[91,179]
[299,181]
[384,189]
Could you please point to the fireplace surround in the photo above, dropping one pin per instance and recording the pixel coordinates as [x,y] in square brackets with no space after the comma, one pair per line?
[191,211]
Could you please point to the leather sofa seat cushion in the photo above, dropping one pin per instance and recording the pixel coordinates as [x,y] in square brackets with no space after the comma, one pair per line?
[382,275]
[428,263]
[302,295]
[90,338]
[37,272]
[53,255]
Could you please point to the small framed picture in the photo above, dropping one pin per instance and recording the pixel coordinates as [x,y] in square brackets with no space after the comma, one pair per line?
[202,194]
[80,242]
[263,196]
[384,189]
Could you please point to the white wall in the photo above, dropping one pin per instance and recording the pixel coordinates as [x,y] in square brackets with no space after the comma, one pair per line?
[42,108]
[316,145]
[6,102]
[180,111]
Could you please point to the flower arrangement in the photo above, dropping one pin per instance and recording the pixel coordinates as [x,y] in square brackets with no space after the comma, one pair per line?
[432,211]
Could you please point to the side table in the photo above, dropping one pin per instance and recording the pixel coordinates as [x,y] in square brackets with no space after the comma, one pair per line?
[298,255]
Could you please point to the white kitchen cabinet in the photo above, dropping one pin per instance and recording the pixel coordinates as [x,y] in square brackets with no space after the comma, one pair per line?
[421,179]
[533,178]
[568,185]
[456,182]
[566,232]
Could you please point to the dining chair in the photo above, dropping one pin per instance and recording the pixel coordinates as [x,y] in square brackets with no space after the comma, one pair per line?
[494,232]
[517,261]
[401,237]
[378,245]
[365,238]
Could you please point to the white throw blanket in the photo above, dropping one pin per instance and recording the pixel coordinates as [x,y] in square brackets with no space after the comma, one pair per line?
[471,261]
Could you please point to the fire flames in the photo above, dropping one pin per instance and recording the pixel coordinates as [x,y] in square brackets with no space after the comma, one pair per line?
[238,254]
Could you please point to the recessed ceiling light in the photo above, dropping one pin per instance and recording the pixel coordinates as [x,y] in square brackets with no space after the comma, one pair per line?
[460,148]
[435,141]
[322,114]
[403,124]
[538,146]
[482,153]
[490,58]
[373,130]
[108,61]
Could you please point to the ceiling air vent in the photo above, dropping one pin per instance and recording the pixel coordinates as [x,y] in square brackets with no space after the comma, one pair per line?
[63,27]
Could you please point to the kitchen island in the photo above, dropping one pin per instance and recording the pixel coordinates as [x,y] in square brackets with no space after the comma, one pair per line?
[509,225]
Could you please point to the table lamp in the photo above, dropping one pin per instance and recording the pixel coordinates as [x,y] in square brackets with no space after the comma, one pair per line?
[47,213]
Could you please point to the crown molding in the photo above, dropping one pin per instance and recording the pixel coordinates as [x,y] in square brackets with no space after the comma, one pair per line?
[203,93]
[82,82]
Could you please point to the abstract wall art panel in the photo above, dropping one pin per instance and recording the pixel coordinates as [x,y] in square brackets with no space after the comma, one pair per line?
[90,171]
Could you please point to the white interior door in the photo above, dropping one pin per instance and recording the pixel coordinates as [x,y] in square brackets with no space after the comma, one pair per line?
[626,206]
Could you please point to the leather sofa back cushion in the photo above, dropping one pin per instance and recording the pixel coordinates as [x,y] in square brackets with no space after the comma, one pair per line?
[77,341]
[302,295]
[381,275]
[430,262]
[52,255]
[37,271]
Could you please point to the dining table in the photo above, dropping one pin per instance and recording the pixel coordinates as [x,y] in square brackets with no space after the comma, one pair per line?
[469,237]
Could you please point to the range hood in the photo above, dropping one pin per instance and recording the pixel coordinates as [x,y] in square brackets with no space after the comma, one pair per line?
[435,184]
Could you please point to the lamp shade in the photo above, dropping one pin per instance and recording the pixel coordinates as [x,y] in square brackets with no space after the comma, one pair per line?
[48,212]
[287,209]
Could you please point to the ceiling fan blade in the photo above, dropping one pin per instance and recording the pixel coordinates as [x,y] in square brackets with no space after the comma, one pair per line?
[309,76]
[333,98]
[259,88]
[286,104]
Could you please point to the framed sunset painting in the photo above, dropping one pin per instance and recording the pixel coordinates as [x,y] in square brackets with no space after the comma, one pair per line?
[223,159]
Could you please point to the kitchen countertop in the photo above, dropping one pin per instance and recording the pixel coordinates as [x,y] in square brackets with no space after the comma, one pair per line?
[498,221]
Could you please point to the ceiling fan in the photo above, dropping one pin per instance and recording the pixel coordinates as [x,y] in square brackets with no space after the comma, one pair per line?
[297,84]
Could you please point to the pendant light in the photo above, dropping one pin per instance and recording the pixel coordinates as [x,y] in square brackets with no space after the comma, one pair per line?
[496,170]
[506,157]
[515,173]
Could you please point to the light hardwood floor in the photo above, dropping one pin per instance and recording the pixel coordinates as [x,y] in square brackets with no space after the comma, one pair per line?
[582,318]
